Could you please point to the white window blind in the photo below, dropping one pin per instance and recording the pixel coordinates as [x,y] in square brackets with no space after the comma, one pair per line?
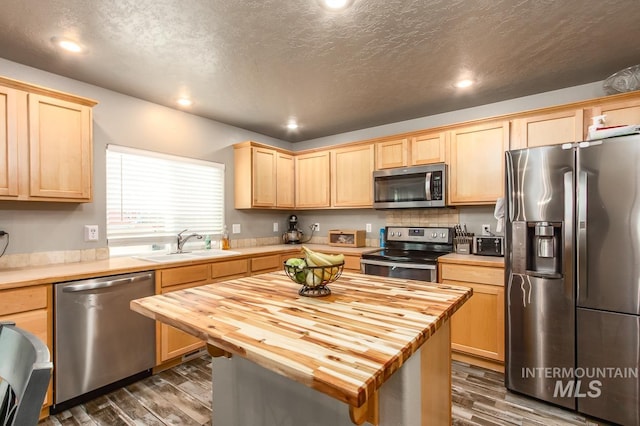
[151,197]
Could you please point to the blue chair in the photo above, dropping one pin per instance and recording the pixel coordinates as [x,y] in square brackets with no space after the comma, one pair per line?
[25,371]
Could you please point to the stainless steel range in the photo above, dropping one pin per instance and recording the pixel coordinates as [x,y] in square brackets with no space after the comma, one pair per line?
[409,252]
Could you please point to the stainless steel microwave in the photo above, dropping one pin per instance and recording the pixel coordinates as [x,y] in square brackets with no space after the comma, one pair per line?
[410,187]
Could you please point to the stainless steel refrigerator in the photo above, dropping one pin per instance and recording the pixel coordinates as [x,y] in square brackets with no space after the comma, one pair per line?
[572,276]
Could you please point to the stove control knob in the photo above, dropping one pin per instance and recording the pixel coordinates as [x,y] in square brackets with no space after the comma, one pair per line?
[399,234]
[443,235]
[434,234]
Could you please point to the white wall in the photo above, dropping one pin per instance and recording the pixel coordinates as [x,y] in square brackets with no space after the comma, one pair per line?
[128,121]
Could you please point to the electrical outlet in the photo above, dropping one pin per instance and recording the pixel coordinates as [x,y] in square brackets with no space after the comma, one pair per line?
[486,229]
[275,226]
[235,228]
[316,227]
[368,226]
[91,232]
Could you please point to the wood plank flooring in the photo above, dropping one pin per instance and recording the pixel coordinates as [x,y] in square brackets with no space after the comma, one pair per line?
[182,396]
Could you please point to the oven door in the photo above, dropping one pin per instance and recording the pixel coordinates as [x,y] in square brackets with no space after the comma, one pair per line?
[411,271]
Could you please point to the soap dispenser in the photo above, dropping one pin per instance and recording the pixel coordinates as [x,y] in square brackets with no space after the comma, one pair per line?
[225,244]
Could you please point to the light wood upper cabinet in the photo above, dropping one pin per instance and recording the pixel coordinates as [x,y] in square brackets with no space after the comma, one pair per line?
[61,149]
[263,177]
[313,179]
[619,113]
[285,193]
[548,129]
[352,181]
[390,154]
[46,141]
[476,168]
[428,148]
[8,142]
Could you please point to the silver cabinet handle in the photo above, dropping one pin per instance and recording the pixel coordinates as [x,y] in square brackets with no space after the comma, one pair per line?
[72,288]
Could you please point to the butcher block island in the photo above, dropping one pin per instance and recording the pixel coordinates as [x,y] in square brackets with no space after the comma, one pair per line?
[375,351]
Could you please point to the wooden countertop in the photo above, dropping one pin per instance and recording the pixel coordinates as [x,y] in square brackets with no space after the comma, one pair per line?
[473,260]
[344,345]
[36,275]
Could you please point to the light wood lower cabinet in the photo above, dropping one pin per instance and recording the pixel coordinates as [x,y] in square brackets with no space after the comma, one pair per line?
[171,342]
[31,308]
[477,329]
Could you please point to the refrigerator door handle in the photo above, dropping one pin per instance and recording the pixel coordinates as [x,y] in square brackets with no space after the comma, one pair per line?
[581,241]
[509,182]
[569,232]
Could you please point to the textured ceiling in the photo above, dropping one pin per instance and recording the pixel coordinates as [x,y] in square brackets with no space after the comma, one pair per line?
[254,64]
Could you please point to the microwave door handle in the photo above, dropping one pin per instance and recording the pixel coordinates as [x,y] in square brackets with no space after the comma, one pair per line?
[427,186]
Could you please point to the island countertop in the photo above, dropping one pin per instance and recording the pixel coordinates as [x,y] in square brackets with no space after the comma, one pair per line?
[345,345]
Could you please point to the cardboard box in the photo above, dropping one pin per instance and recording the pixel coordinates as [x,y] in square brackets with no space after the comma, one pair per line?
[346,238]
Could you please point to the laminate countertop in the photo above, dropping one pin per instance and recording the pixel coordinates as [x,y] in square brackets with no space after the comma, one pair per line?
[345,345]
[48,274]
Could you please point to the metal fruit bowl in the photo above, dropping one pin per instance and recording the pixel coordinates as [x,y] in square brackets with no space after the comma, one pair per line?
[314,279]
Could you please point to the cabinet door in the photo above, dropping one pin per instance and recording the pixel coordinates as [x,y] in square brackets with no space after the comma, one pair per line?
[285,172]
[264,177]
[8,143]
[313,179]
[477,328]
[619,113]
[262,264]
[60,149]
[391,154]
[30,309]
[476,171]
[352,176]
[548,129]
[428,148]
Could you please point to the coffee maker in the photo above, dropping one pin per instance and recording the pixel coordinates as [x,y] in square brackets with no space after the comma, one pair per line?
[293,234]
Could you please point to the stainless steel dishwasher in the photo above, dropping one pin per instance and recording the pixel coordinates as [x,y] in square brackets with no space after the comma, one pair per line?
[100,343]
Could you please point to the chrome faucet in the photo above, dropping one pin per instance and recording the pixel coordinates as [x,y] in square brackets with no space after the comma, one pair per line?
[182,240]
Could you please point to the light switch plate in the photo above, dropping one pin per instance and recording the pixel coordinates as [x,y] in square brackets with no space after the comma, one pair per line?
[275,226]
[235,228]
[368,227]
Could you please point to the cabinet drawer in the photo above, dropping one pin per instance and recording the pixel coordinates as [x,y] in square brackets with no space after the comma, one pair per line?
[35,322]
[183,275]
[23,299]
[473,274]
[232,267]
[352,263]
[266,263]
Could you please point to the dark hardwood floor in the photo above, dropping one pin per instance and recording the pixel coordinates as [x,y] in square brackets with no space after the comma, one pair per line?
[182,396]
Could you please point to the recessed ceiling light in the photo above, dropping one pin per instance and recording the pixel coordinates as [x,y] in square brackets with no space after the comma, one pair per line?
[185,102]
[464,83]
[335,4]
[67,44]
[292,125]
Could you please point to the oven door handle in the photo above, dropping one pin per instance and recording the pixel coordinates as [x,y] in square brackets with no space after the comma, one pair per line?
[395,265]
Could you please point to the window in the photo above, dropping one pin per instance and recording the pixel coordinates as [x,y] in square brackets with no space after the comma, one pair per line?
[151,197]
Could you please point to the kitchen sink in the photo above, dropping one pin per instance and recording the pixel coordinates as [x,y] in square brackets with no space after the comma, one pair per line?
[191,255]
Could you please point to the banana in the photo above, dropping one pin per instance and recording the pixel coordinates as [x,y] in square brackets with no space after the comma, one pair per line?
[314,258]
[323,259]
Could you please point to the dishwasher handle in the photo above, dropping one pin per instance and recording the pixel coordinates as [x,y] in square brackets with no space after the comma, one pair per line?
[73,288]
